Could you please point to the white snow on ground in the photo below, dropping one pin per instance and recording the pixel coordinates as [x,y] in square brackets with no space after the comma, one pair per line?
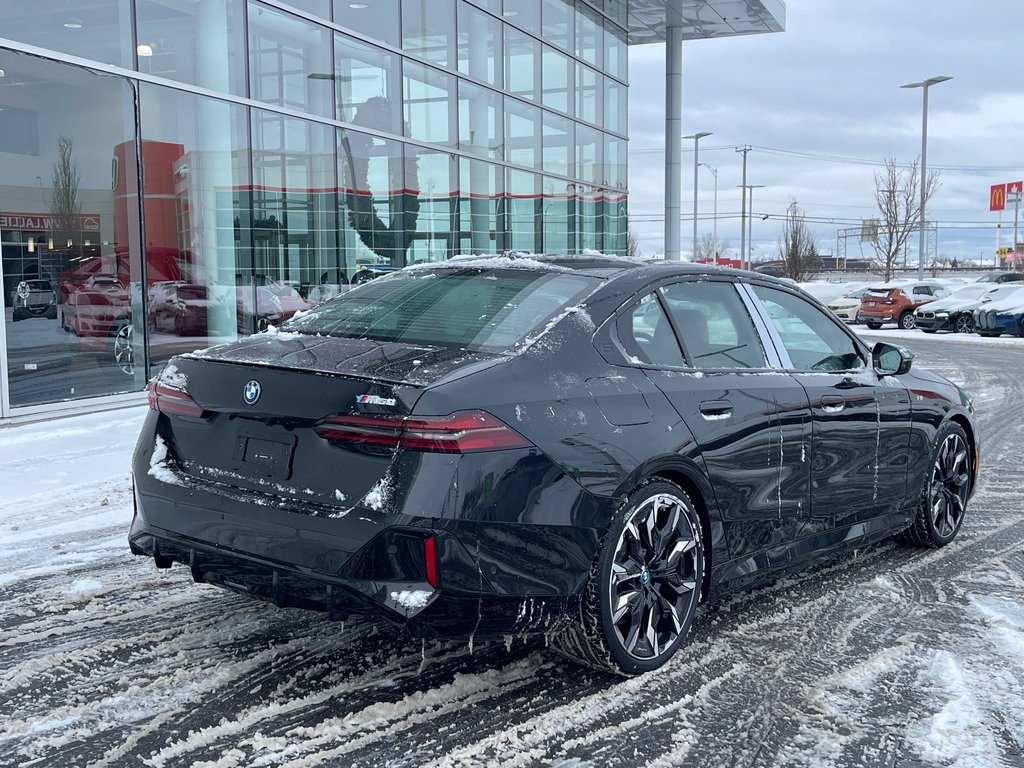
[892,657]
[411,599]
[898,335]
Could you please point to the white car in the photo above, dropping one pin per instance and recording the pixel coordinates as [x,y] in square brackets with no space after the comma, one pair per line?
[847,305]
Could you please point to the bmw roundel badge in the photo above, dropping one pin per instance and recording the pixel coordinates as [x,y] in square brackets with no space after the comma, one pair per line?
[251,392]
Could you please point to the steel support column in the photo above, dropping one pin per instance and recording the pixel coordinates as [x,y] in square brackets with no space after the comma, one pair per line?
[673,136]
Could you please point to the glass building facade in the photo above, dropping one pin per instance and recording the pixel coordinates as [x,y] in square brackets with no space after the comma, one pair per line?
[174,174]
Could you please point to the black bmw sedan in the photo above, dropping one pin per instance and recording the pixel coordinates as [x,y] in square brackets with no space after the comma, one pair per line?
[583,447]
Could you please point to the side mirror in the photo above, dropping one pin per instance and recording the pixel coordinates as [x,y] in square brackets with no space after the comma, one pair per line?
[889,360]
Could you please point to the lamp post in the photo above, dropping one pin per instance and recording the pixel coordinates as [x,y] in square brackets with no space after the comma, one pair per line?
[696,141]
[750,226]
[924,85]
[714,224]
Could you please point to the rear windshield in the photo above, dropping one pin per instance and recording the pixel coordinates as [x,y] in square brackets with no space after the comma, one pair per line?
[490,310]
[883,292]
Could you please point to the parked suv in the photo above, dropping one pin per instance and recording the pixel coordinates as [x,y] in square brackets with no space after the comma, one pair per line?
[896,303]
[1002,277]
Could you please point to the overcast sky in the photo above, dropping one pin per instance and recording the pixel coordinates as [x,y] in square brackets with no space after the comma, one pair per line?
[829,85]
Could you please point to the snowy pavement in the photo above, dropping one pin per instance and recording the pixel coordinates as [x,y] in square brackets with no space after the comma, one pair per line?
[891,657]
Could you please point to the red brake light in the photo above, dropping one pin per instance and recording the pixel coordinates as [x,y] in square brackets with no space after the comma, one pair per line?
[462,432]
[430,556]
[167,400]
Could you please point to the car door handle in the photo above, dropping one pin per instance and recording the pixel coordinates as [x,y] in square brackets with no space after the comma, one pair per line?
[713,410]
[832,404]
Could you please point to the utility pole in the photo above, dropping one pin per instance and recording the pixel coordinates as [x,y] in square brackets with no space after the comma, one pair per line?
[743,207]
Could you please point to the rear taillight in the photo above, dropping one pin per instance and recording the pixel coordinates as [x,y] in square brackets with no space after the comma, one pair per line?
[430,556]
[167,400]
[462,432]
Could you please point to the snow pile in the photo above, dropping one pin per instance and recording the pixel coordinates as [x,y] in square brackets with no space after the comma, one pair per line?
[412,599]
[492,262]
[377,496]
[158,464]
[172,378]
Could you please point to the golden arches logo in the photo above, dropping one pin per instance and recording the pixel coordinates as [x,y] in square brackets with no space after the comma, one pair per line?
[997,197]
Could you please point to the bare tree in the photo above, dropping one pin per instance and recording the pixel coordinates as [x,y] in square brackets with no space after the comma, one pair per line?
[707,248]
[632,244]
[898,195]
[63,202]
[798,250]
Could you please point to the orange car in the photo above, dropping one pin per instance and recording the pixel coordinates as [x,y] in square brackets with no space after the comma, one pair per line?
[896,303]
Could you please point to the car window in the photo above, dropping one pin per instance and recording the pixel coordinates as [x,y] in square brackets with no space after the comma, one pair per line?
[647,335]
[923,289]
[814,342]
[474,308]
[713,325]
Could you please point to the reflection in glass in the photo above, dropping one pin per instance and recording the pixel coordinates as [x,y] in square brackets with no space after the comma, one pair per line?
[198,43]
[480,121]
[587,93]
[590,201]
[69,233]
[616,59]
[522,64]
[377,19]
[479,46]
[294,226]
[429,111]
[378,205]
[290,61]
[558,144]
[195,166]
[523,13]
[524,211]
[428,30]
[556,80]
[367,85]
[100,30]
[557,216]
[435,187]
[615,161]
[615,109]
[557,16]
[588,154]
[522,133]
[480,203]
[589,35]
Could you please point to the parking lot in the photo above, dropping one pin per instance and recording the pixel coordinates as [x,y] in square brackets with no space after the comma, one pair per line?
[890,657]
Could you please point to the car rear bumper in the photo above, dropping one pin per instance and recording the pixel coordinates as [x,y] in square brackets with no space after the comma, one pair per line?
[501,566]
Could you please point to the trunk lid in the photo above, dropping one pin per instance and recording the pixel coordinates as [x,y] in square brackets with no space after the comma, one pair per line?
[263,396]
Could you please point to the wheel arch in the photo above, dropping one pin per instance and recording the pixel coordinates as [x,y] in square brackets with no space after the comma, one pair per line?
[972,443]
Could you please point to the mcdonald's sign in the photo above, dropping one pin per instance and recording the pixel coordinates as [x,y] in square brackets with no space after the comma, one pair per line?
[997,197]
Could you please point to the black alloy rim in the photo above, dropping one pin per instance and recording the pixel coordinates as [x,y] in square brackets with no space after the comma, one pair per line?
[950,479]
[654,577]
[124,355]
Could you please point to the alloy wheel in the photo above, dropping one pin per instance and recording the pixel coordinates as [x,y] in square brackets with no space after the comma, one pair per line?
[655,577]
[947,499]
[124,354]
[908,321]
[964,324]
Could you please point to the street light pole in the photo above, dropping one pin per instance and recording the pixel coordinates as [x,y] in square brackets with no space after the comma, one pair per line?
[714,225]
[749,225]
[924,85]
[696,164]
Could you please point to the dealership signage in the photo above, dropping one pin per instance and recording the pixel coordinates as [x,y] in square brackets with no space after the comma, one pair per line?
[34,222]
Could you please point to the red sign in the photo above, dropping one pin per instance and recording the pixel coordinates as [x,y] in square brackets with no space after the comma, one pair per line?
[997,197]
[36,222]
[1014,188]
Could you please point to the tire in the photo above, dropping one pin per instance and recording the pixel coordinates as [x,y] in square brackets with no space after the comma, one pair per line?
[907,321]
[989,334]
[633,617]
[964,324]
[943,499]
[872,325]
